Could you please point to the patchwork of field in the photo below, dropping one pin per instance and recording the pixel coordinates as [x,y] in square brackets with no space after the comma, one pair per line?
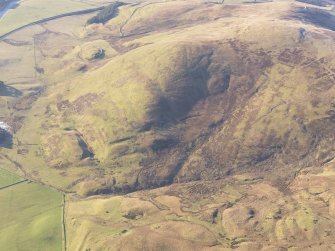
[30,218]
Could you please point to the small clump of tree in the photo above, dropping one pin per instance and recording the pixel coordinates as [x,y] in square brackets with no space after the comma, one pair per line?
[106,13]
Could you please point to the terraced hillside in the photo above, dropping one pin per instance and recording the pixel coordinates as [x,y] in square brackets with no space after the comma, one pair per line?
[179,125]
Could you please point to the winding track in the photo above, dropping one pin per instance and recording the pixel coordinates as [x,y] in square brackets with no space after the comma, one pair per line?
[131,16]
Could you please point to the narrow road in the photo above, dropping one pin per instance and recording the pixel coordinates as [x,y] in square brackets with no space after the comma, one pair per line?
[74,13]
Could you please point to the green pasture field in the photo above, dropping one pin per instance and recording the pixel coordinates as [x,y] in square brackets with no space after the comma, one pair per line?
[7,178]
[30,218]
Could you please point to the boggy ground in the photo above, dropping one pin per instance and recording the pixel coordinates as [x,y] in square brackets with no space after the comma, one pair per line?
[231,104]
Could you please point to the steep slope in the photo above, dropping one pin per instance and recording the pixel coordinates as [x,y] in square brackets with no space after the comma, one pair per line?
[171,108]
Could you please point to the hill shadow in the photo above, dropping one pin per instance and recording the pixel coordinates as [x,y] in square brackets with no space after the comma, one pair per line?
[322,18]
[321,3]
[9,91]
[6,139]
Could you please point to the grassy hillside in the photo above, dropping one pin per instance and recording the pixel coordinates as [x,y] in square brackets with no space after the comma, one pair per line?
[164,107]
[211,107]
